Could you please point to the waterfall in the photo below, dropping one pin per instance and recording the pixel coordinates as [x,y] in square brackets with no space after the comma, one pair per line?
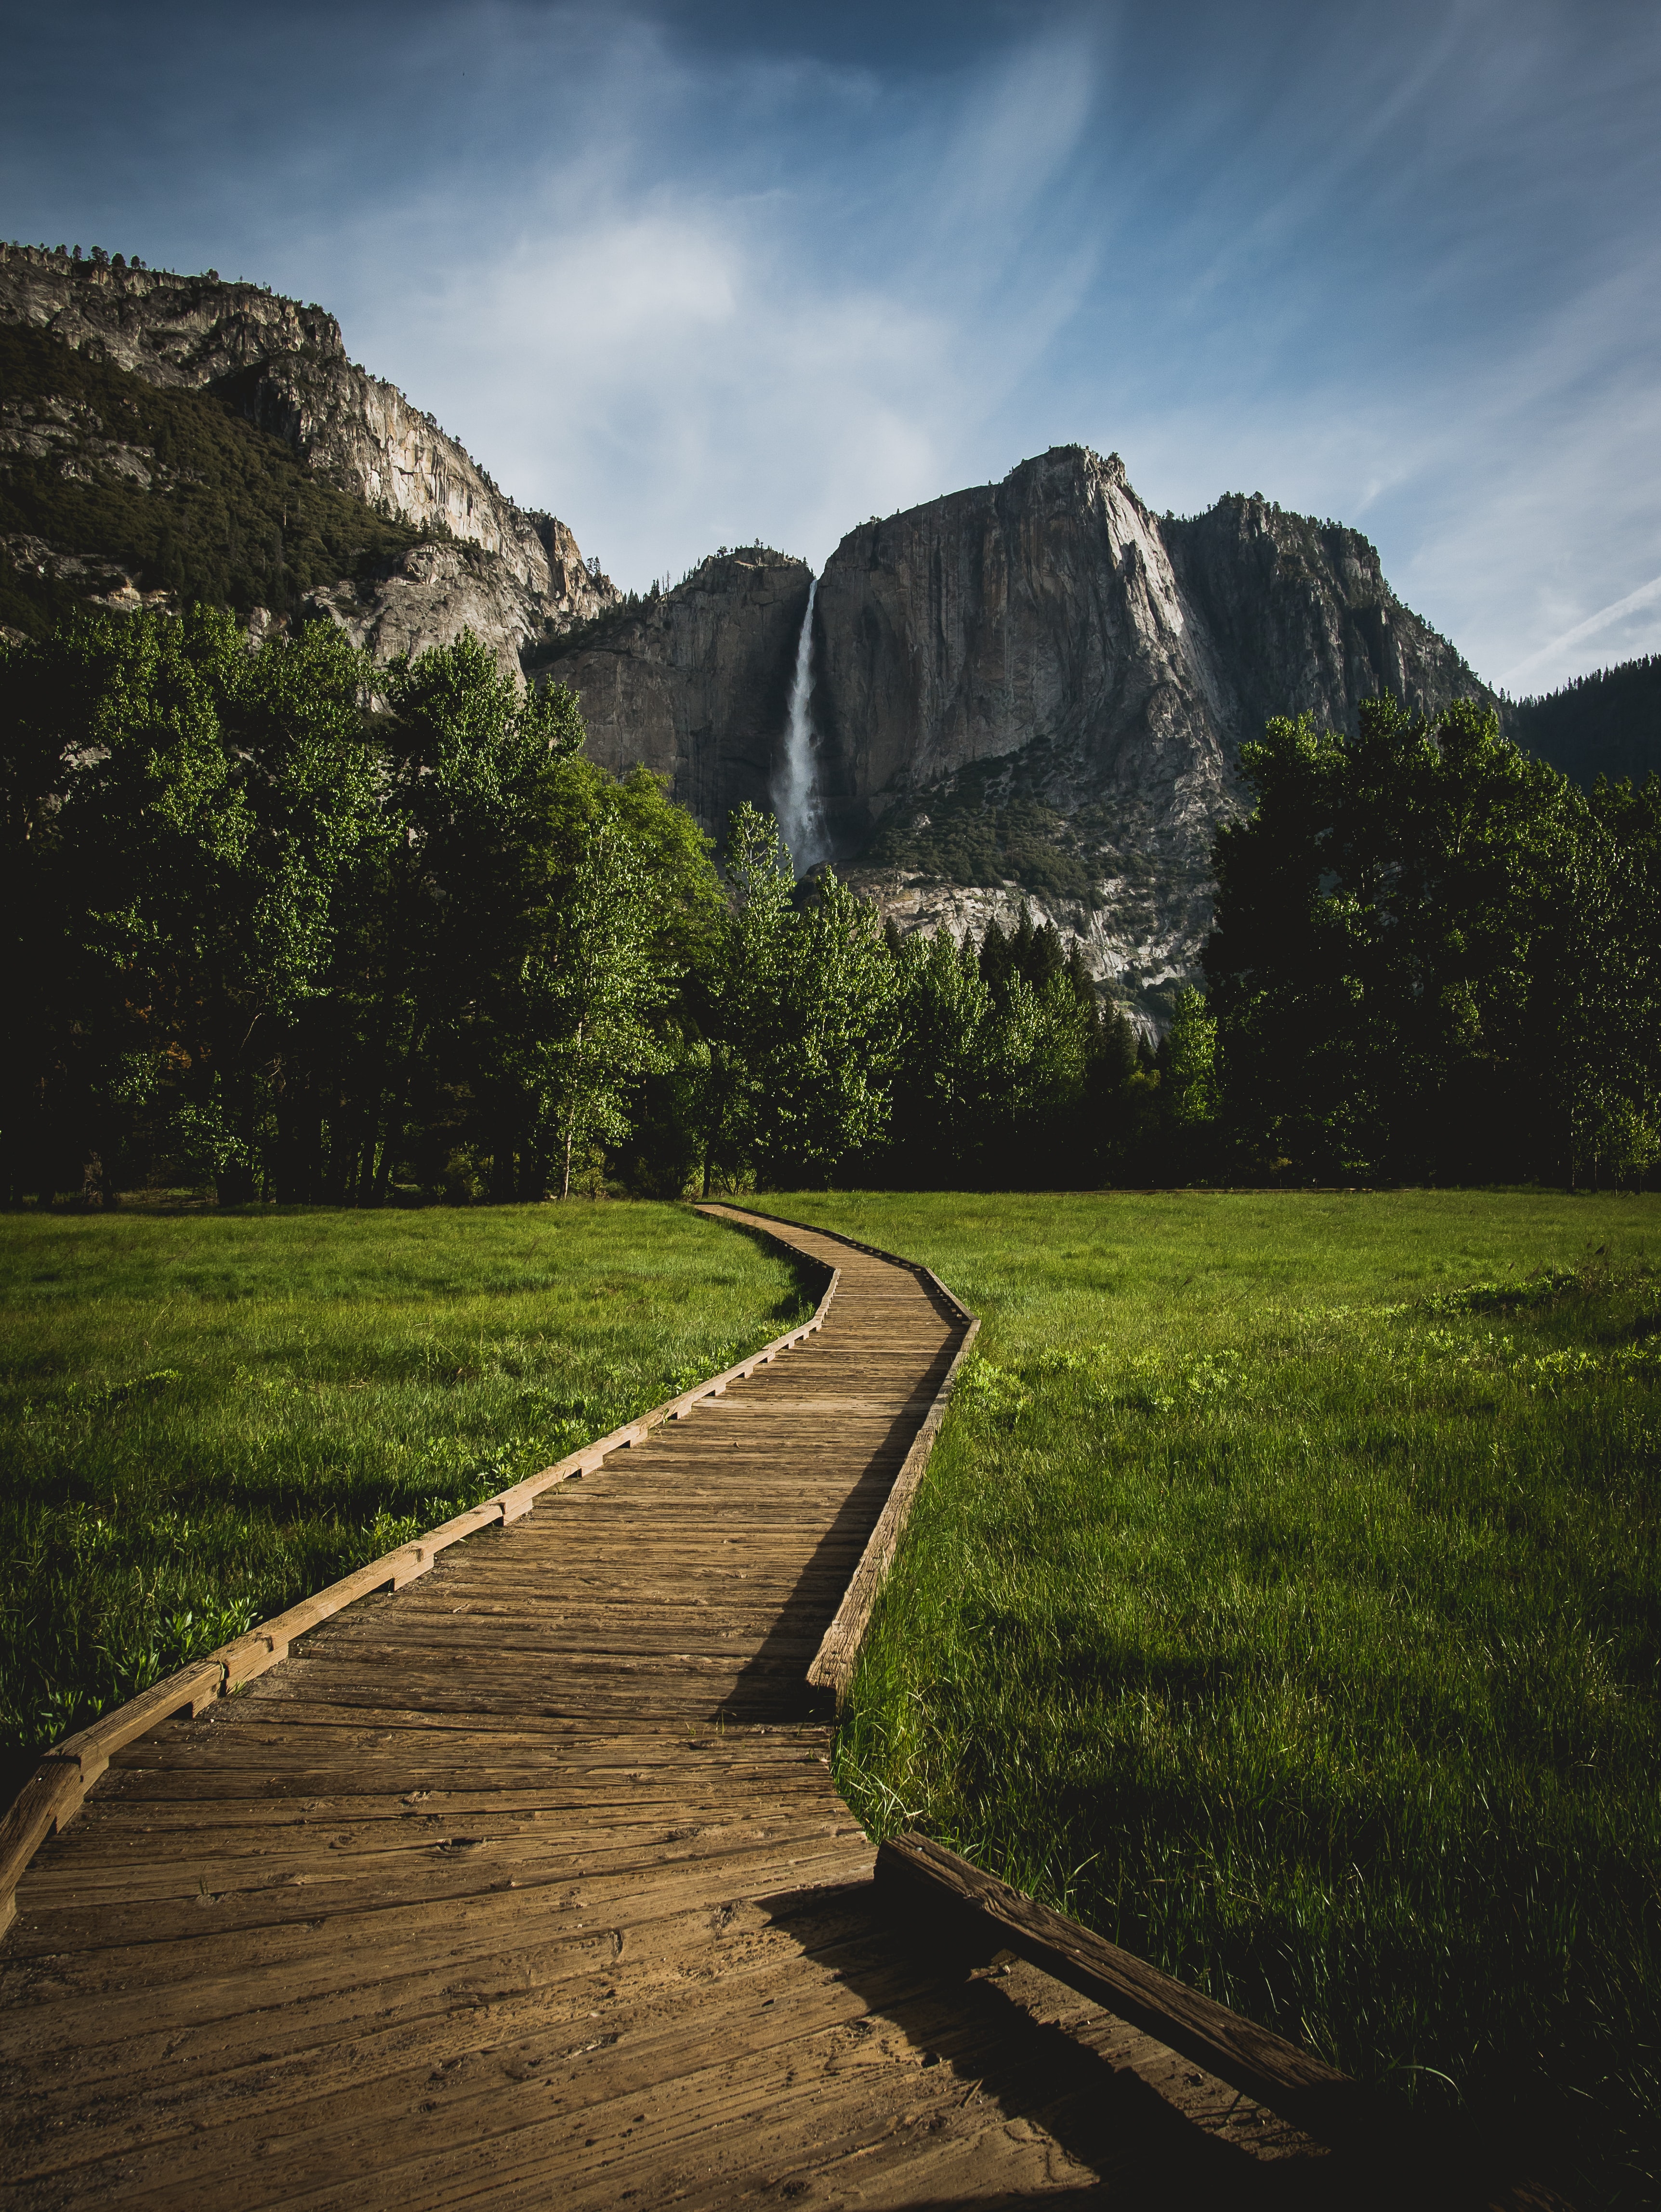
[795,797]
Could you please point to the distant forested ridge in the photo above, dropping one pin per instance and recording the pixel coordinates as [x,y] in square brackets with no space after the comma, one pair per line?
[1605,724]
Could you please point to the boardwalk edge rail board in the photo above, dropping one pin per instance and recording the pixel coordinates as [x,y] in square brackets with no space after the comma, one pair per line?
[927,1885]
[54,1793]
[833,1664]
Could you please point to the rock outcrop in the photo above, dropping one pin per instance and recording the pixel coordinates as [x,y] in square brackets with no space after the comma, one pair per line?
[1038,690]
[1042,610]
[1297,617]
[695,683]
[284,366]
[1032,690]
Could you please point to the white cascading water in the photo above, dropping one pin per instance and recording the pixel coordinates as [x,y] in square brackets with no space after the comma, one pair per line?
[795,792]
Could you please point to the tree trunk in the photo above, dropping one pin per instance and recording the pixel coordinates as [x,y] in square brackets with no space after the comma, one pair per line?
[570,1132]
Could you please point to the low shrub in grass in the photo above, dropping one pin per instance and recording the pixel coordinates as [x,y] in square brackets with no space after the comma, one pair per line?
[204,1418]
[1284,1600]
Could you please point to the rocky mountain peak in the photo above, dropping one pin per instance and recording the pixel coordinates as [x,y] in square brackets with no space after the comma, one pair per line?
[1033,691]
[284,366]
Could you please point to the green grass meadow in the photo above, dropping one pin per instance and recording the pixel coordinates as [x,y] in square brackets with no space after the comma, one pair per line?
[205,1417]
[1284,1600]
[1284,1597]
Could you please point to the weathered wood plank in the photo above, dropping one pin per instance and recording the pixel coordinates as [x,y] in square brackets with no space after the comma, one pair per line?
[529,1883]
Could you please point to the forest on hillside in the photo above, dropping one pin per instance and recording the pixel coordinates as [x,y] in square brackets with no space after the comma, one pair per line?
[1606,724]
[307,930]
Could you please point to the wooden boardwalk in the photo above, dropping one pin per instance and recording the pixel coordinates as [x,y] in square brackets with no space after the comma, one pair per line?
[528,1886]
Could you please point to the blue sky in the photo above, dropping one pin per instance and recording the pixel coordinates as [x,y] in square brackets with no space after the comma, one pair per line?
[690,275]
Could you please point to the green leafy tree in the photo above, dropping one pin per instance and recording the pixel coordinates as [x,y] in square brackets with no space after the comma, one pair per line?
[1596,1040]
[1189,1094]
[489,832]
[182,811]
[262,934]
[607,985]
[1036,1065]
[743,1006]
[828,1080]
[945,1019]
[802,1019]
[542,917]
[1370,969]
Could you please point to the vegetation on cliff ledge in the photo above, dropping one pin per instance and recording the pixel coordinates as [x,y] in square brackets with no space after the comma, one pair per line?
[170,488]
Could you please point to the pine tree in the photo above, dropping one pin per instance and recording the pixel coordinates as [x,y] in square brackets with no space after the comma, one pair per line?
[995,958]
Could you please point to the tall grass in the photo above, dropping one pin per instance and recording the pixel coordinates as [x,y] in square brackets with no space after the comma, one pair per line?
[204,1418]
[1284,1600]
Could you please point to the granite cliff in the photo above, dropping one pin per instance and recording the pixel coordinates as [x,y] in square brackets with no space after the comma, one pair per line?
[1031,690]
[515,576]
[694,681]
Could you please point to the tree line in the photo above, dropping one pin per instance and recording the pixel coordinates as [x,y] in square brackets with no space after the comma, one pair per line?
[311,930]
[314,930]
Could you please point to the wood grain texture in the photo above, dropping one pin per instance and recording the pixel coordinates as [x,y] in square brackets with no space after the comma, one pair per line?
[528,1884]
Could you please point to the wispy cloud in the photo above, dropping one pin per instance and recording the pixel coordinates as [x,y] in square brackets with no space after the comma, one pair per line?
[1617,616]
[690,274]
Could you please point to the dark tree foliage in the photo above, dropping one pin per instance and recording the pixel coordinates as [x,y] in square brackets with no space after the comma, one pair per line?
[799,1023]
[1434,958]
[314,930]
[1010,1074]
[1606,724]
[262,931]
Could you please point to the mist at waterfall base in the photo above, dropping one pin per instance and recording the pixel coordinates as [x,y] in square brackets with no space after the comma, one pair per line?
[795,792]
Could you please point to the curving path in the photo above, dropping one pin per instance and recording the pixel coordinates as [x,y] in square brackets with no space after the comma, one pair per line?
[528,1886]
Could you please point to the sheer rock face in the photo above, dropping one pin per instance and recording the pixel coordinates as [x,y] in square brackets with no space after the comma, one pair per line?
[1041,608]
[284,366]
[428,595]
[1059,651]
[696,684]
[1054,606]
[1299,619]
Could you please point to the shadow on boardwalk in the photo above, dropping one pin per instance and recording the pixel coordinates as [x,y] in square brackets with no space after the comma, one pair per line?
[1023,2044]
[772,1683]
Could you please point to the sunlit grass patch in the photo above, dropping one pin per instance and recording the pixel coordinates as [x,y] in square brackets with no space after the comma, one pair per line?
[204,1418]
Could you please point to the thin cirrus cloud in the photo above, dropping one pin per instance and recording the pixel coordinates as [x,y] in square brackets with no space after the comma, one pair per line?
[773,344]
[1629,616]
[694,274]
